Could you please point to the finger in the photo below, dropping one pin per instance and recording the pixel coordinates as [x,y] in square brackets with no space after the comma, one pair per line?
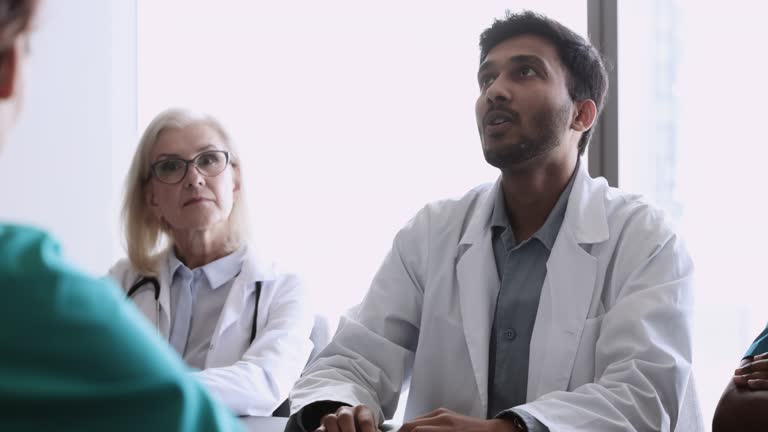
[346,421]
[753,366]
[432,429]
[435,413]
[364,419]
[756,375]
[762,356]
[758,384]
[330,422]
[421,422]
[740,380]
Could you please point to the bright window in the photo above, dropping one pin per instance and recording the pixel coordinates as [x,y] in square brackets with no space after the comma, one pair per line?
[692,105]
[350,115]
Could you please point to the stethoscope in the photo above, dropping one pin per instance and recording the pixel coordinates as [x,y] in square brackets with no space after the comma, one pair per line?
[143,281]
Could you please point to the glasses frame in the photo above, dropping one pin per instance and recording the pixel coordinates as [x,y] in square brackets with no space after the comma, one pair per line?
[153,168]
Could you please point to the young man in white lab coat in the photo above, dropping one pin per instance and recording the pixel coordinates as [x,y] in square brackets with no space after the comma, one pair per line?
[547,301]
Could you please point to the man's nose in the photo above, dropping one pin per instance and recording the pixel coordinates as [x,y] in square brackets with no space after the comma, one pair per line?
[497,92]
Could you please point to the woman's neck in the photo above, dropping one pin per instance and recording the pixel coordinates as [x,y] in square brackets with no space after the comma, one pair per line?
[196,248]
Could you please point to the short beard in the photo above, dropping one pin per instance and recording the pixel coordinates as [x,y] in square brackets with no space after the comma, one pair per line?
[546,125]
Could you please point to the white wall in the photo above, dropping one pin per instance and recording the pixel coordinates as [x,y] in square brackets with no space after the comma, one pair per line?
[349,116]
[63,166]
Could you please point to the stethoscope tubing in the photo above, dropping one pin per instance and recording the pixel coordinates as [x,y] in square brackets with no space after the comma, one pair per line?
[144,280]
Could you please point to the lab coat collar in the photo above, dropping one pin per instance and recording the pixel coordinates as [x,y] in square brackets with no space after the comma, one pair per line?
[585,214]
[217,272]
[255,269]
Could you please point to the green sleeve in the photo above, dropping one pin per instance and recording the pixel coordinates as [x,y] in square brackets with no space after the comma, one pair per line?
[78,356]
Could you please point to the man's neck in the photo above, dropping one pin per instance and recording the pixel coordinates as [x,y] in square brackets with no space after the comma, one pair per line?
[530,194]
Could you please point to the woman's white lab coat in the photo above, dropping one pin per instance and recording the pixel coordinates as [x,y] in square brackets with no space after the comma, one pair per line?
[611,346]
[251,379]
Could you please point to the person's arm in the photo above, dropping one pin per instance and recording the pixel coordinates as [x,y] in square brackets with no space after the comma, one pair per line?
[742,406]
[371,353]
[121,273]
[258,383]
[642,353]
[81,357]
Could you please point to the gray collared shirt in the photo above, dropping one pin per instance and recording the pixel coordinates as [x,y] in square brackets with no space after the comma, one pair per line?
[210,287]
[521,267]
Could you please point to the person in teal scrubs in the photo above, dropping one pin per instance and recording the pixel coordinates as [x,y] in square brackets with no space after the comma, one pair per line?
[74,354]
[743,406]
[759,346]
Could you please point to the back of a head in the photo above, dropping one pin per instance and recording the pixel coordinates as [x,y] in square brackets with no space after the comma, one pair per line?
[15,19]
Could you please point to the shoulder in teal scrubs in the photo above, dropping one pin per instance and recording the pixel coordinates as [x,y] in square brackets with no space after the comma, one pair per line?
[75,355]
[759,346]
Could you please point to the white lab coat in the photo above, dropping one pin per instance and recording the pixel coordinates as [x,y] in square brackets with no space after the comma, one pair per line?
[249,379]
[610,349]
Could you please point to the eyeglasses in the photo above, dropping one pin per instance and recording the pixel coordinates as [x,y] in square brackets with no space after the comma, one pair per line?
[209,163]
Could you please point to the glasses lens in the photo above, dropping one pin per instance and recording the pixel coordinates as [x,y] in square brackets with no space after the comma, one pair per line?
[170,170]
[211,163]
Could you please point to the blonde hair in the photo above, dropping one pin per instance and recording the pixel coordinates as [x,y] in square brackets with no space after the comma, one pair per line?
[145,237]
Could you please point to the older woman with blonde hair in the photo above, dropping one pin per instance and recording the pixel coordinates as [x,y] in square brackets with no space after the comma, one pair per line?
[192,270]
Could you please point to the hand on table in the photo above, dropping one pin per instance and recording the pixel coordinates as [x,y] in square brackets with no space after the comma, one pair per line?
[349,419]
[444,420]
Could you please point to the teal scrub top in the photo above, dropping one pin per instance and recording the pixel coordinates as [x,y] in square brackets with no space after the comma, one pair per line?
[759,346]
[75,355]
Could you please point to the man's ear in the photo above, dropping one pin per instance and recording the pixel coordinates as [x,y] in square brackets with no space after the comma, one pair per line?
[586,112]
[8,64]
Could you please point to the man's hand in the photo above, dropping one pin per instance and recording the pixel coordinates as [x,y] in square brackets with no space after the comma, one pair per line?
[349,419]
[753,373]
[443,420]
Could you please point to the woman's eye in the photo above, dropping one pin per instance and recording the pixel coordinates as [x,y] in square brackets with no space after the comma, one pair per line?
[170,166]
[207,159]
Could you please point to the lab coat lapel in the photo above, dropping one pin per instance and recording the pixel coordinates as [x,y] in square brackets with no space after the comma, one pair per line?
[164,278]
[478,286]
[568,288]
[237,307]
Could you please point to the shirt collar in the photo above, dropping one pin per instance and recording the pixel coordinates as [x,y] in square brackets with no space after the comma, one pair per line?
[217,272]
[547,234]
[499,217]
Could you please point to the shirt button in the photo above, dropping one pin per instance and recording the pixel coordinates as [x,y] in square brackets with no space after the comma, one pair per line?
[510,334]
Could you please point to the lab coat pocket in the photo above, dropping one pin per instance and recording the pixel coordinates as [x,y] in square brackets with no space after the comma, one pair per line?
[584,366]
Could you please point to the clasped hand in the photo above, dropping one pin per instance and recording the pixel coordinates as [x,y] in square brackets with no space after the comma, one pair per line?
[361,419]
[753,373]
